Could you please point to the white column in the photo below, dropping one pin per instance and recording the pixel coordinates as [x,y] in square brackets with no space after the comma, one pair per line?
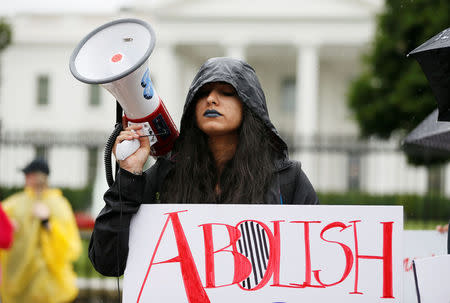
[306,110]
[307,92]
[167,79]
[235,50]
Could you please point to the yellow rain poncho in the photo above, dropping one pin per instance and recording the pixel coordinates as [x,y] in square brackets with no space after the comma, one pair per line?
[38,266]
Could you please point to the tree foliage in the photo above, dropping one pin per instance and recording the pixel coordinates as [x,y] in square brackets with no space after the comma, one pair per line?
[5,34]
[392,93]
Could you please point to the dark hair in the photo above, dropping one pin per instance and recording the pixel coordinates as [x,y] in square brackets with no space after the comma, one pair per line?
[37,165]
[245,177]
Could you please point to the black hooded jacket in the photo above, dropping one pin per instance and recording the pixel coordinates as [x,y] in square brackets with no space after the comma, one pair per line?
[108,248]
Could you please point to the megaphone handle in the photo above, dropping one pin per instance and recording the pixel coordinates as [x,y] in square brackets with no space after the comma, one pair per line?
[126,148]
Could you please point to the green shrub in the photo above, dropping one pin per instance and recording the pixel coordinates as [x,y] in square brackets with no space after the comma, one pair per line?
[79,198]
[417,207]
[5,192]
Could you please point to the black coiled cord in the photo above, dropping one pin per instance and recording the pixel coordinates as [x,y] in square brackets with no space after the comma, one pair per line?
[109,178]
[108,151]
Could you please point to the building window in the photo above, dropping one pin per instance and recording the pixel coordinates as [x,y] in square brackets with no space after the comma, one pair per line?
[43,83]
[436,179]
[94,95]
[40,151]
[92,164]
[288,95]
[354,171]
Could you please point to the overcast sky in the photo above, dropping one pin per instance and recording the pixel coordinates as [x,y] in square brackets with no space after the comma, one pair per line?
[9,7]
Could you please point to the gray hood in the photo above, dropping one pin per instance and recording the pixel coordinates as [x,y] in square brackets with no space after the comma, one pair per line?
[243,78]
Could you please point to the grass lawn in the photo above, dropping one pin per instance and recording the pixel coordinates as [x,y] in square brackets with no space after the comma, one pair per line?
[416,224]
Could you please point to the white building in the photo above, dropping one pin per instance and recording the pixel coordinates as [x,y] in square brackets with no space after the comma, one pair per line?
[305,53]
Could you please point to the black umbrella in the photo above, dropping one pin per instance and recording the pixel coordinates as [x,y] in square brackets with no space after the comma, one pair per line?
[429,142]
[434,58]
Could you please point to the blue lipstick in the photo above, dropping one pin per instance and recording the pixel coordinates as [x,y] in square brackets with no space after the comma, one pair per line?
[211,113]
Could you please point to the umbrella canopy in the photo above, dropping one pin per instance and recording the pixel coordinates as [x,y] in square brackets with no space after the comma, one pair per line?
[434,59]
[429,142]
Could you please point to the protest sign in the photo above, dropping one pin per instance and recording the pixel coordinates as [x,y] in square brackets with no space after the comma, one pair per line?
[433,279]
[418,244]
[264,253]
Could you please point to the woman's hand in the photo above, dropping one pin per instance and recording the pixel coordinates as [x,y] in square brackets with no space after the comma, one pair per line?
[135,162]
[41,211]
[442,228]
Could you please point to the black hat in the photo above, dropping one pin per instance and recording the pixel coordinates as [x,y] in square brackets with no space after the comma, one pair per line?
[37,165]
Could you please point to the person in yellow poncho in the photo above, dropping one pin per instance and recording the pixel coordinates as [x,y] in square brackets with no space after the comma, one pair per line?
[38,266]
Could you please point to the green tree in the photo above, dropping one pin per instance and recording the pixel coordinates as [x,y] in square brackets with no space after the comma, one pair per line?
[5,34]
[392,93]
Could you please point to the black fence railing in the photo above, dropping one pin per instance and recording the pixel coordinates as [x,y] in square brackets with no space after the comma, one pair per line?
[82,148]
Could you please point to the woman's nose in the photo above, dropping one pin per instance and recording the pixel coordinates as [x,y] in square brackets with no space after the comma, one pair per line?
[212,98]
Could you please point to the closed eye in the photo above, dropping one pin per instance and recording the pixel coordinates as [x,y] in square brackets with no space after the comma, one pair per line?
[201,94]
[229,93]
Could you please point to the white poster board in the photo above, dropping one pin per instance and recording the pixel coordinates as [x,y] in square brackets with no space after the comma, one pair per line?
[264,253]
[418,244]
[433,279]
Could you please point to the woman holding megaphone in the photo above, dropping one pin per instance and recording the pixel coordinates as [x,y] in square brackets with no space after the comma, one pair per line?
[228,151]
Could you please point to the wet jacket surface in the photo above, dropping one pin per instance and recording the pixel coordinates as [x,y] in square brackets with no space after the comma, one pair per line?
[38,266]
[108,248]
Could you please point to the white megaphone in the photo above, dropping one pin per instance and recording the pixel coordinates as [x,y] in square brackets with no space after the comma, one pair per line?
[115,55]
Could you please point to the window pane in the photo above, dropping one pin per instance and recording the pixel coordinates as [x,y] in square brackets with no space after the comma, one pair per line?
[94,95]
[288,95]
[436,179]
[354,171]
[40,151]
[92,164]
[43,89]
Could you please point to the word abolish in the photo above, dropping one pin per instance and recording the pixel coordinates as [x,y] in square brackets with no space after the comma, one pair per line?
[255,248]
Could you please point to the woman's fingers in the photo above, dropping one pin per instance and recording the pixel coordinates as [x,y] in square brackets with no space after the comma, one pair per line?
[138,133]
[132,132]
[134,127]
[144,139]
[127,135]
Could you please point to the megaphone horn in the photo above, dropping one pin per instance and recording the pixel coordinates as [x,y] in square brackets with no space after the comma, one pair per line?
[115,55]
